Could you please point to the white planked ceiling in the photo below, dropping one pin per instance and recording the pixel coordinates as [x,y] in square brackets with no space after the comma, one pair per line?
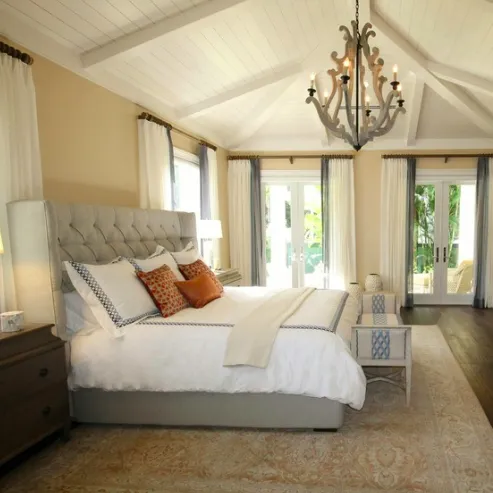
[236,71]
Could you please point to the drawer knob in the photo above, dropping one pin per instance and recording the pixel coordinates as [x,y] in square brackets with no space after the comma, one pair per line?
[46,411]
[43,372]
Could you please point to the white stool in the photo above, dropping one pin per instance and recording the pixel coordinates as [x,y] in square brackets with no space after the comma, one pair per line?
[381,340]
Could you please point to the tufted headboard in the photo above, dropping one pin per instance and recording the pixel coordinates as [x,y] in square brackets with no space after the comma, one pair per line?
[44,233]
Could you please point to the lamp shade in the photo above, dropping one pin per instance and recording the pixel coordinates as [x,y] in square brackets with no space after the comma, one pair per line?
[1,244]
[210,229]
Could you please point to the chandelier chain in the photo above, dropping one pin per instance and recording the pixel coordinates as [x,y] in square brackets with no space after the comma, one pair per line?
[357,16]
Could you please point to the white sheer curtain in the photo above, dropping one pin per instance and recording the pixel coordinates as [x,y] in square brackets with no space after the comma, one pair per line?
[20,159]
[214,199]
[393,226]
[339,223]
[155,166]
[239,192]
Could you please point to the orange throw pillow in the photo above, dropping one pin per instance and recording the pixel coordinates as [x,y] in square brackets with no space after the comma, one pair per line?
[191,271]
[200,290]
[160,283]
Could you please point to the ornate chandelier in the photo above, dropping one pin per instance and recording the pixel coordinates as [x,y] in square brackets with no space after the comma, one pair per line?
[349,83]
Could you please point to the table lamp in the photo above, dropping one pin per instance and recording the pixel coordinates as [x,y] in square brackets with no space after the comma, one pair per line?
[209,229]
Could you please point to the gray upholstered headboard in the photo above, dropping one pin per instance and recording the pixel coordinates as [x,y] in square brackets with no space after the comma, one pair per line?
[44,233]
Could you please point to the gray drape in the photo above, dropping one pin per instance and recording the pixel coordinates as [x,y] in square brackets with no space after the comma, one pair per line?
[325,218]
[257,234]
[174,204]
[482,199]
[410,210]
[205,201]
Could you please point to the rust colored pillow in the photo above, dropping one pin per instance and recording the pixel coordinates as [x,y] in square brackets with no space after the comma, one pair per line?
[191,271]
[160,283]
[200,290]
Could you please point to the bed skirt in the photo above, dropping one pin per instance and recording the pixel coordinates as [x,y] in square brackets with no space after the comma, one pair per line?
[206,409]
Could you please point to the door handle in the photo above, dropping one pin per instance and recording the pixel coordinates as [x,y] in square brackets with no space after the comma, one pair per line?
[437,258]
[445,258]
[302,254]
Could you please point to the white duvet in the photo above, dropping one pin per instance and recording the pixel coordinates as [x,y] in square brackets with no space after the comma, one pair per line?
[185,352]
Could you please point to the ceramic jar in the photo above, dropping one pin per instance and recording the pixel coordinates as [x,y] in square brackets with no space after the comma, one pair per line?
[373,282]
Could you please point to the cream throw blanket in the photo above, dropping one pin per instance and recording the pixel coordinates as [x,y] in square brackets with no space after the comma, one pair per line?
[251,339]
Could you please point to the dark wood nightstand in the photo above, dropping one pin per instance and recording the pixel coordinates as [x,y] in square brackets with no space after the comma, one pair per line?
[33,388]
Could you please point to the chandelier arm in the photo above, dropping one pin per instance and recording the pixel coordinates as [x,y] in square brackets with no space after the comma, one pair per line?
[388,127]
[333,74]
[335,115]
[339,131]
[349,115]
[384,112]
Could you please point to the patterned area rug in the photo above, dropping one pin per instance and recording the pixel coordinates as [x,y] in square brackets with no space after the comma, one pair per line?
[441,443]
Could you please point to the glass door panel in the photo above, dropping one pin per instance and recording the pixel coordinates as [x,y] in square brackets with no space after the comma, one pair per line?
[458,254]
[425,245]
[444,242]
[278,242]
[312,260]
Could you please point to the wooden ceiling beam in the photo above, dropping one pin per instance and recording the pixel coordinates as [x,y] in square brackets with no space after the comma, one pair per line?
[414,111]
[248,87]
[417,63]
[461,78]
[190,18]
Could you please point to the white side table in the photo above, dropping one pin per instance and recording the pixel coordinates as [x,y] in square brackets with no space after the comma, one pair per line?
[229,277]
[384,346]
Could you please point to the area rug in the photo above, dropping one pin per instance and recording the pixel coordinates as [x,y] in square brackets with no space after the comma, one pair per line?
[441,443]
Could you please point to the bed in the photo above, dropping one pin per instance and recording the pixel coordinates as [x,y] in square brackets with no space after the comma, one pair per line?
[169,371]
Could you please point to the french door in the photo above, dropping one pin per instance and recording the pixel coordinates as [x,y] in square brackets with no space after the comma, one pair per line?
[444,232]
[292,229]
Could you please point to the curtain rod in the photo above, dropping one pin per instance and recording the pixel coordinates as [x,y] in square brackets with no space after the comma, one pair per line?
[158,121]
[15,53]
[434,156]
[292,158]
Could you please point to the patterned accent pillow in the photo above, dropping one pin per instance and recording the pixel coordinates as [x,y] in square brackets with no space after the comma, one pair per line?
[160,283]
[190,271]
[200,290]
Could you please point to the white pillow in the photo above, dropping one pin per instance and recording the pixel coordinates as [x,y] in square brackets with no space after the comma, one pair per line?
[188,255]
[80,319]
[113,292]
[159,258]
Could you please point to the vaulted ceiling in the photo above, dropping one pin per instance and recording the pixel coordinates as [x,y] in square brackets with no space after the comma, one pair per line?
[236,71]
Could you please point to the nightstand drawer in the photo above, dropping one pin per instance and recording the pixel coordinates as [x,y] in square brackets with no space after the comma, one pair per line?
[34,418]
[32,375]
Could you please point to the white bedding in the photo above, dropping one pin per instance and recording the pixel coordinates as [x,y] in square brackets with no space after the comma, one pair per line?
[185,352]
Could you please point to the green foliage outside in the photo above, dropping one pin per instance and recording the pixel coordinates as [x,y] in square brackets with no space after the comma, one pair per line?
[424,227]
[312,224]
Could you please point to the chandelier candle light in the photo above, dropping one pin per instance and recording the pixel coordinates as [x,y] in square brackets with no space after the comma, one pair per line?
[348,82]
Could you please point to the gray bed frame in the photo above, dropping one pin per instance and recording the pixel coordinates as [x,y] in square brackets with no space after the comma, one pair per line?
[43,234]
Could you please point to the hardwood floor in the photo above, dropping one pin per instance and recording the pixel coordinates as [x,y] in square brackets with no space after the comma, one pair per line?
[469,333]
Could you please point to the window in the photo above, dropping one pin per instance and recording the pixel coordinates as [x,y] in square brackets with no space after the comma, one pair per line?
[187,178]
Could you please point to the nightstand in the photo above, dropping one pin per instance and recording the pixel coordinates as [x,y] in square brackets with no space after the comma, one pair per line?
[229,277]
[33,388]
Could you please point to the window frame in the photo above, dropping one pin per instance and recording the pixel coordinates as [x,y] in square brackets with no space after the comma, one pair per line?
[192,159]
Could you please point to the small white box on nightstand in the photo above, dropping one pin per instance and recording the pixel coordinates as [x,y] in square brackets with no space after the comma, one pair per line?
[11,321]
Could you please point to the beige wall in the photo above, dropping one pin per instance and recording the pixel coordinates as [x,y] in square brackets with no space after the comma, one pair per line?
[89,144]
[367,169]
